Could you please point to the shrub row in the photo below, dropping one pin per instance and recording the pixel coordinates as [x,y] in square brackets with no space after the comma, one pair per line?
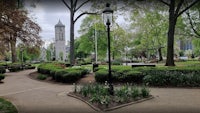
[18,67]
[45,68]
[123,75]
[15,68]
[153,76]
[70,75]
[60,74]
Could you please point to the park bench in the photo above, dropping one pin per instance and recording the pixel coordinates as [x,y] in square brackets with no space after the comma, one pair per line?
[143,65]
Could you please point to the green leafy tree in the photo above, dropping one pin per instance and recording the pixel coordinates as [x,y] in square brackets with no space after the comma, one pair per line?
[86,42]
[150,27]
[74,6]
[176,9]
[17,26]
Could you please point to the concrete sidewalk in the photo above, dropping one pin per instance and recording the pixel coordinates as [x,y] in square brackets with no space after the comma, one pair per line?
[31,96]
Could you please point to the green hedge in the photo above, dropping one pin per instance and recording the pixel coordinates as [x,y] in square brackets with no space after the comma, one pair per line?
[2,77]
[187,76]
[59,73]
[2,70]
[119,75]
[14,68]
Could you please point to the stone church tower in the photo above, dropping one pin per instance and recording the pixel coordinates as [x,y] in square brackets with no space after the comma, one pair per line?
[60,48]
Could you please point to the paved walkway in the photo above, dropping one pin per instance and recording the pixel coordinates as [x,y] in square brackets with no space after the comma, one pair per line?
[31,96]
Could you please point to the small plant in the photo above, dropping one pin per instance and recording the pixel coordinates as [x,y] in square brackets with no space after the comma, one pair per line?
[75,87]
[145,92]
[41,77]
[2,77]
[135,92]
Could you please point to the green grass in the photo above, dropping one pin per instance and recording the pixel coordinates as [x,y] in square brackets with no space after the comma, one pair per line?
[183,63]
[36,65]
[7,107]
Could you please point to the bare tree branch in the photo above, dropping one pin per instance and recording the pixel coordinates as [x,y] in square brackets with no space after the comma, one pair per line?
[75,4]
[192,25]
[66,4]
[164,2]
[81,5]
[84,14]
[179,7]
[192,4]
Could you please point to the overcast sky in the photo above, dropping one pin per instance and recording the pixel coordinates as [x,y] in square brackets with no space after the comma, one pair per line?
[47,15]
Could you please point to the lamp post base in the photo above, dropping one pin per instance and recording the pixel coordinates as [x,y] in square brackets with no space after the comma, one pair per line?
[111,89]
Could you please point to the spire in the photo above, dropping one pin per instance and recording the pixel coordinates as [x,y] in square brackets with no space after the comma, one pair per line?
[59,24]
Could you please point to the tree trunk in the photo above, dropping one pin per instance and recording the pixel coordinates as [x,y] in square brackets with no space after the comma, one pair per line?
[160,54]
[72,38]
[171,30]
[13,50]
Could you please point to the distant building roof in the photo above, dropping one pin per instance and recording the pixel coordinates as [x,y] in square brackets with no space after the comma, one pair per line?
[59,24]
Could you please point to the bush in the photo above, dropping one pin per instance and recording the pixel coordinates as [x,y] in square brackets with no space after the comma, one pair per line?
[58,72]
[2,77]
[41,77]
[173,79]
[29,67]
[185,76]
[2,70]
[123,75]
[101,75]
[71,76]
[131,77]
[14,68]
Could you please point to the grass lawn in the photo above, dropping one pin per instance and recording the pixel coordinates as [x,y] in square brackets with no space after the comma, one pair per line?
[183,63]
[7,107]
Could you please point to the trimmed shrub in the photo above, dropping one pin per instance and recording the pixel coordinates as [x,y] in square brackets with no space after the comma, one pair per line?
[2,70]
[2,77]
[101,75]
[153,76]
[29,67]
[71,77]
[131,77]
[60,74]
[183,80]
[14,68]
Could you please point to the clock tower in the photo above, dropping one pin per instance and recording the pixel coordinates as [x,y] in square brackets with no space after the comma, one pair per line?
[60,48]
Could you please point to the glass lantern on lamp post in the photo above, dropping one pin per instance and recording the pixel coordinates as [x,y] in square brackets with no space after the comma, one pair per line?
[107,19]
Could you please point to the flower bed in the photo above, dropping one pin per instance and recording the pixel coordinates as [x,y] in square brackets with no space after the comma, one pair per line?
[98,97]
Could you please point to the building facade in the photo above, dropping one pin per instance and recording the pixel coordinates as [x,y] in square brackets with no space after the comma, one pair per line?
[60,48]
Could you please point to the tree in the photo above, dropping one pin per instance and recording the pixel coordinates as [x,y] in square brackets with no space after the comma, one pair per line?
[18,27]
[74,6]
[86,42]
[150,27]
[176,8]
[192,19]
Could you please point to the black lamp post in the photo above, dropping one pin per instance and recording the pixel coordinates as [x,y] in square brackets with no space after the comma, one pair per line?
[107,18]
